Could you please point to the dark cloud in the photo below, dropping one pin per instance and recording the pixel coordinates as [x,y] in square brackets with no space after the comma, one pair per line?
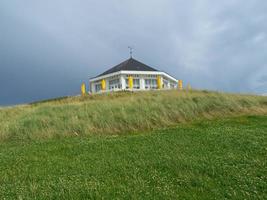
[47,48]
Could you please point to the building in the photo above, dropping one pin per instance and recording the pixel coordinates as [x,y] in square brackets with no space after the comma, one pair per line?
[132,75]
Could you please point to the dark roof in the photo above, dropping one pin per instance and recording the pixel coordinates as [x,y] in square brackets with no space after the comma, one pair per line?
[129,65]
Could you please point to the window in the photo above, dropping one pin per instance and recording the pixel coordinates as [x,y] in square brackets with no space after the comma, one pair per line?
[151,84]
[136,83]
[127,83]
[133,75]
[98,87]
[173,84]
[165,83]
[151,76]
[114,84]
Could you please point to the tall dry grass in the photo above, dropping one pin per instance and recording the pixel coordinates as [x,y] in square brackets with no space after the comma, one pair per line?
[121,112]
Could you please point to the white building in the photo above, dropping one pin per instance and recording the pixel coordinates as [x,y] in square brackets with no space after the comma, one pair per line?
[131,75]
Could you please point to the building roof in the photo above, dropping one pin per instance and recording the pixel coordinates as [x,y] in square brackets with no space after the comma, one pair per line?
[128,65]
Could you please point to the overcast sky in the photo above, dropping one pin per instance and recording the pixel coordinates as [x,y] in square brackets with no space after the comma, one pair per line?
[48,48]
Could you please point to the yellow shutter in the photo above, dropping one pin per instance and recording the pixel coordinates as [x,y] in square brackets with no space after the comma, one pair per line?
[159,82]
[180,84]
[103,84]
[83,89]
[130,82]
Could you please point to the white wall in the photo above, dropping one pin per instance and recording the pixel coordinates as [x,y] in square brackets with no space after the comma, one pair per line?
[123,77]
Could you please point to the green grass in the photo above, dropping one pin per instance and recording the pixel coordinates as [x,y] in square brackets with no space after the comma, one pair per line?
[120,113]
[210,159]
[144,145]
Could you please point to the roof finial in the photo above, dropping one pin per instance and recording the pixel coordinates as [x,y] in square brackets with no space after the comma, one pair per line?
[131,51]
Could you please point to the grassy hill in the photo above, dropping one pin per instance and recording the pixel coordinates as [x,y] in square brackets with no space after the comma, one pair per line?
[121,113]
[146,145]
[218,159]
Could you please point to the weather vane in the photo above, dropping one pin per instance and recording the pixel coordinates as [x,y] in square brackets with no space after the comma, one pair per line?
[131,50]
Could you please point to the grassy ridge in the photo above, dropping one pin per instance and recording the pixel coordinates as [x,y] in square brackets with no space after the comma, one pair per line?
[222,159]
[121,112]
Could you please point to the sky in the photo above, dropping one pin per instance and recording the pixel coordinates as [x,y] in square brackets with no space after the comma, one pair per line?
[48,48]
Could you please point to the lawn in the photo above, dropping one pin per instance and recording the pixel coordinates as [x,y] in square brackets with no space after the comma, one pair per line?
[206,159]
